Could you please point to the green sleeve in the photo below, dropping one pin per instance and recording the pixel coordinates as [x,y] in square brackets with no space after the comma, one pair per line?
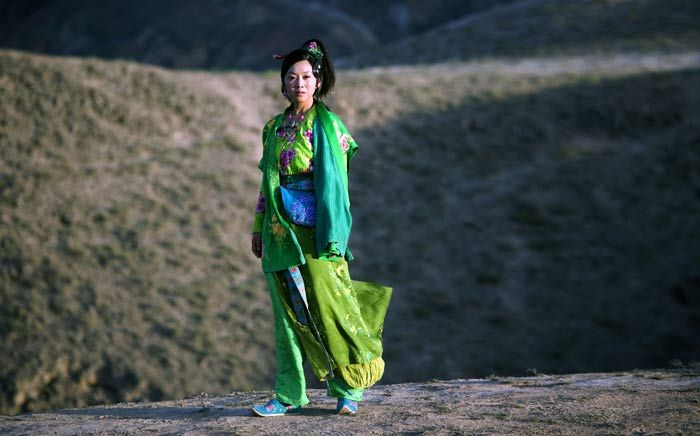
[258,222]
[331,253]
[260,209]
[346,137]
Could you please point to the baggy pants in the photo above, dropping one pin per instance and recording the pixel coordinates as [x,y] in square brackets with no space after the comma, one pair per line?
[290,383]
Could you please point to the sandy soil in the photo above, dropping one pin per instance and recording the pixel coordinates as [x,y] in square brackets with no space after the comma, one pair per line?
[639,402]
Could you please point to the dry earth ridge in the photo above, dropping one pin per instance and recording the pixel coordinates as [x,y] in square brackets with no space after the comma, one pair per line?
[635,402]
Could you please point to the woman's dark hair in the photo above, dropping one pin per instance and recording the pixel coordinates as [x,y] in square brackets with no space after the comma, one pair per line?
[322,68]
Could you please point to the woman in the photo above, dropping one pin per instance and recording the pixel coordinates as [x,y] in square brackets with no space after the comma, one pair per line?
[301,229]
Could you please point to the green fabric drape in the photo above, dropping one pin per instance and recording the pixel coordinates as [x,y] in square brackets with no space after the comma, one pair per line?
[281,249]
[334,221]
[348,313]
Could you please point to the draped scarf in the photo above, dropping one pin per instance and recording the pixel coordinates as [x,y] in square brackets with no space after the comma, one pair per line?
[333,218]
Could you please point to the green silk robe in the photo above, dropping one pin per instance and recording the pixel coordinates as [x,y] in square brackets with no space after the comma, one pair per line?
[349,314]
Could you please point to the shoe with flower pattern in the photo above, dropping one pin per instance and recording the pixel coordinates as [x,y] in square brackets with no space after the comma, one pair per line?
[275,408]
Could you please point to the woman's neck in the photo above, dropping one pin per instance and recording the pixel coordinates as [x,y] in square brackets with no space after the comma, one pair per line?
[300,109]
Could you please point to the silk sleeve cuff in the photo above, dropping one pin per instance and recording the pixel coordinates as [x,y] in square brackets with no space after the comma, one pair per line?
[258,222]
[331,253]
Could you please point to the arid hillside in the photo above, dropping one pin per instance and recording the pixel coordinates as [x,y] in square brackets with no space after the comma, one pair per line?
[530,218]
[216,34]
[533,214]
[533,28]
[125,211]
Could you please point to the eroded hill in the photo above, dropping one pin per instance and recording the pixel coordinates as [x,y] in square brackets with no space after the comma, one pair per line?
[530,216]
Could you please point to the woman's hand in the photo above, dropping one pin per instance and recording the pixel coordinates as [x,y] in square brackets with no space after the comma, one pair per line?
[256,244]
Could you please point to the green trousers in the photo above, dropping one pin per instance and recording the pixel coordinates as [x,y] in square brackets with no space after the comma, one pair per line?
[290,383]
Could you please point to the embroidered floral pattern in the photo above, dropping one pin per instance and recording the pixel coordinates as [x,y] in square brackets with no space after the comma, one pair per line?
[294,144]
[309,134]
[345,142]
[260,207]
[277,229]
[286,158]
[303,211]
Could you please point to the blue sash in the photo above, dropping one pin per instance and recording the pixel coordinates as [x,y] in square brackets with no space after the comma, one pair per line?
[299,201]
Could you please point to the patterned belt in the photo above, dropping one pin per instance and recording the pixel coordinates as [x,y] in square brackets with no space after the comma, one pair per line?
[296,178]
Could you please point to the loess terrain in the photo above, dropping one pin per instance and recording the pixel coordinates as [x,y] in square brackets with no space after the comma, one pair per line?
[532,213]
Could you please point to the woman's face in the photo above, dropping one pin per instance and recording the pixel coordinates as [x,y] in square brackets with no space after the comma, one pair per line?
[301,84]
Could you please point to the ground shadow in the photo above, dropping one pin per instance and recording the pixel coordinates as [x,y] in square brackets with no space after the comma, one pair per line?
[159,412]
[176,413]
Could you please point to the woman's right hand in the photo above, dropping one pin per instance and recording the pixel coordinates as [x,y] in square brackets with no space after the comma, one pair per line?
[256,244]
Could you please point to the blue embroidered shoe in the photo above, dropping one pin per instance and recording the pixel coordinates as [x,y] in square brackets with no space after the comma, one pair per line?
[346,407]
[274,408]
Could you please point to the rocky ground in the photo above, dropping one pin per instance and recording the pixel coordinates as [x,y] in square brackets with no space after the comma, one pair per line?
[636,402]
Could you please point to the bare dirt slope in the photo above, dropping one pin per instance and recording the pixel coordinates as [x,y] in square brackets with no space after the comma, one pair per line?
[638,402]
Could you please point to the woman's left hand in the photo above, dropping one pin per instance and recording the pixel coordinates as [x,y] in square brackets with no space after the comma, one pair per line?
[256,245]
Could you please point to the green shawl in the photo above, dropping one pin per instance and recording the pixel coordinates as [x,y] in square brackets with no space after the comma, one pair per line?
[333,218]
